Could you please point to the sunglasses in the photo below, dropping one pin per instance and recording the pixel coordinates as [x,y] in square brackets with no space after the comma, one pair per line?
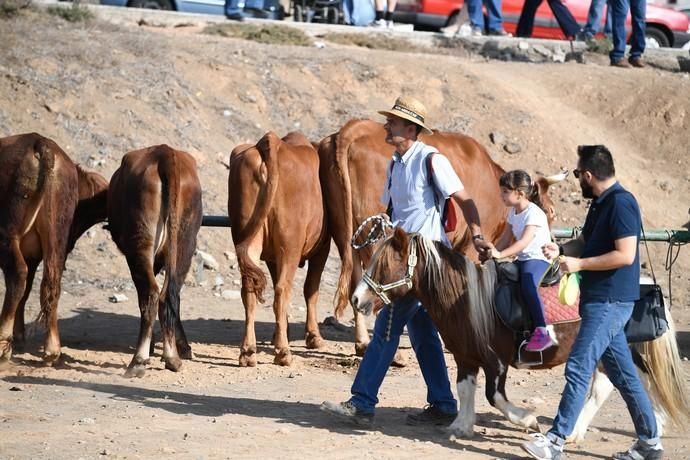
[577,173]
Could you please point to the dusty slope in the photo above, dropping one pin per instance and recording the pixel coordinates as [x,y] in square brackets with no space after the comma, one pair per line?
[101,90]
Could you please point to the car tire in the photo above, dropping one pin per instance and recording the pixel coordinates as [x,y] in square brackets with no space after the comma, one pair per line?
[152,4]
[656,35]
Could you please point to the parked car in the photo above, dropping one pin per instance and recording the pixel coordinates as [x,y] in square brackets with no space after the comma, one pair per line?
[265,9]
[665,27]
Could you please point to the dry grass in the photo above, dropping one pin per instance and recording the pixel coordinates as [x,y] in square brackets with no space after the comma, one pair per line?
[374,41]
[266,34]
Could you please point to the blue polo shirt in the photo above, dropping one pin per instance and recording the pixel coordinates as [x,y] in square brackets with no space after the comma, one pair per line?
[613,215]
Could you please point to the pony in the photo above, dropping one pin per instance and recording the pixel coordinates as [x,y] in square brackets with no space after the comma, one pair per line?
[458,295]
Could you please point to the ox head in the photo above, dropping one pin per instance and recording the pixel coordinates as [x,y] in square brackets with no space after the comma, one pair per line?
[541,195]
[92,206]
[389,275]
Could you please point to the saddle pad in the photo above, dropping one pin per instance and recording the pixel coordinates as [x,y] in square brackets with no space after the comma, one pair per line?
[554,311]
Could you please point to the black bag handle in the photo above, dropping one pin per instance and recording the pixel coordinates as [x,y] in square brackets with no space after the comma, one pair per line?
[644,238]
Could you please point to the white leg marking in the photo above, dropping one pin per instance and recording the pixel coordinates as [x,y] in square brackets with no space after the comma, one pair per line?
[463,425]
[600,389]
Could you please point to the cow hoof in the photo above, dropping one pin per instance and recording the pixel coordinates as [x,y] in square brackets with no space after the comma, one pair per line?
[173,364]
[399,360]
[314,341]
[185,351]
[136,370]
[360,348]
[50,359]
[248,359]
[283,358]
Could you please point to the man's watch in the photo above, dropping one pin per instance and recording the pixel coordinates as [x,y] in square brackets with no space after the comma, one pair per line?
[477,237]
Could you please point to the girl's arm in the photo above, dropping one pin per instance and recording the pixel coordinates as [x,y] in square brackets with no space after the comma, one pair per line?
[506,237]
[527,235]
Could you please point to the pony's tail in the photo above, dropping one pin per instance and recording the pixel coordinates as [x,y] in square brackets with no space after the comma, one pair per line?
[665,375]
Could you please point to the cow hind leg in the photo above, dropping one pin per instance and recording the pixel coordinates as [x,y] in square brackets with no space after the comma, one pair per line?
[311,295]
[53,265]
[16,272]
[19,334]
[285,274]
[147,293]
[463,425]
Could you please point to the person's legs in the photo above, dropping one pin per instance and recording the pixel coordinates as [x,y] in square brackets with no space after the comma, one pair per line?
[619,11]
[526,21]
[622,372]
[531,272]
[493,9]
[380,353]
[233,9]
[429,351]
[476,15]
[594,15]
[565,18]
[600,322]
[638,13]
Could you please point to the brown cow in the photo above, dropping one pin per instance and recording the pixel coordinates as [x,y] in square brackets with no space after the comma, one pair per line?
[48,203]
[154,214]
[277,214]
[354,163]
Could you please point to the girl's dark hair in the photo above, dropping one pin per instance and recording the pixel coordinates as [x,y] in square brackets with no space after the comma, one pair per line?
[519,180]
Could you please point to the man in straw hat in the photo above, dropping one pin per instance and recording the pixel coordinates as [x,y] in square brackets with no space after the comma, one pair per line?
[414,204]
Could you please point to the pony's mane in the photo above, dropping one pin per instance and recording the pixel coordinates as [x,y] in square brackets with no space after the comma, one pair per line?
[454,278]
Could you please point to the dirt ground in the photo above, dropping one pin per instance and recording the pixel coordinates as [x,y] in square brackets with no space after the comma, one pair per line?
[101,90]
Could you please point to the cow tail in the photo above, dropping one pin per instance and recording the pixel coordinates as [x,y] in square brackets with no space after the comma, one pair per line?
[36,173]
[170,292]
[663,371]
[253,278]
[342,173]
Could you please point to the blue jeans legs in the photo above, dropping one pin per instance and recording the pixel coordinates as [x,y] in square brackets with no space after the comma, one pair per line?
[601,337]
[379,355]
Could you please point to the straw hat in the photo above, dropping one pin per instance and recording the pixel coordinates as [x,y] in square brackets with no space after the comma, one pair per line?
[410,109]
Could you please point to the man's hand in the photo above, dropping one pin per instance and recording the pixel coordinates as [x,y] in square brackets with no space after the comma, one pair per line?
[570,264]
[481,245]
[550,250]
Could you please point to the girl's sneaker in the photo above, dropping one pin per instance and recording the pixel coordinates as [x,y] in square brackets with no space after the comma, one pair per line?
[540,340]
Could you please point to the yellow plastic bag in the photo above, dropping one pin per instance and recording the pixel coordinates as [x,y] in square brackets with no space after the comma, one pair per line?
[569,288]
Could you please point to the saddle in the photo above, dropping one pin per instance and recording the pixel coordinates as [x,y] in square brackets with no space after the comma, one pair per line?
[511,308]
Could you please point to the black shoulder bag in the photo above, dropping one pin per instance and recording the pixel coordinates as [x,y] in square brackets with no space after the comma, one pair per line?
[648,320]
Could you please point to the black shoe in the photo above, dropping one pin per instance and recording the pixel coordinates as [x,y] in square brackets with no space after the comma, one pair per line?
[500,33]
[235,17]
[641,451]
[431,415]
[348,411]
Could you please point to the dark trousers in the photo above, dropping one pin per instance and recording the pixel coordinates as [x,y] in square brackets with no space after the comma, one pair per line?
[565,18]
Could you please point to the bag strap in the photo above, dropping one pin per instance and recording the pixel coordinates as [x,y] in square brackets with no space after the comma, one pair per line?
[644,238]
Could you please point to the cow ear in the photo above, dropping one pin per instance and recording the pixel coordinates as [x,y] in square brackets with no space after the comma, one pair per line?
[399,239]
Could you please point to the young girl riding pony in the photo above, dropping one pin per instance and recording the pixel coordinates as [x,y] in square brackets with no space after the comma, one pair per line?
[529,227]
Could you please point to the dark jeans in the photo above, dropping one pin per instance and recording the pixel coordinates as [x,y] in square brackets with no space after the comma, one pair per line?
[619,12]
[565,18]
[233,7]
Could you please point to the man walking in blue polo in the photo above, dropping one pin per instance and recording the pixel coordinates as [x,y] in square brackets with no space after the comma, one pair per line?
[607,255]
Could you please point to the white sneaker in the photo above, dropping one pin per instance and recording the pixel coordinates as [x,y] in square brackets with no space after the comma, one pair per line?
[379,23]
[543,448]
[390,25]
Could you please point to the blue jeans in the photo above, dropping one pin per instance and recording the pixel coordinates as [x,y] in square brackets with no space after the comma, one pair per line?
[596,11]
[601,337]
[493,9]
[379,355]
[233,7]
[564,17]
[619,12]
[531,272]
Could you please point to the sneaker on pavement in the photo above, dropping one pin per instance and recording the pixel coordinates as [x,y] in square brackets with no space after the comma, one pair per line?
[476,31]
[641,451]
[500,33]
[540,340]
[542,447]
[621,63]
[390,25]
[235,17]
[379,23]
[347,410]
[431,415]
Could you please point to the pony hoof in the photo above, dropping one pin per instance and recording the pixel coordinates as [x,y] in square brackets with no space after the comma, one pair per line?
[50,359]
[314,341]
[283,358]
[461,433]
[248,360]
[173,364]
[185,352]
[399,360]
[136,370]
[360,348]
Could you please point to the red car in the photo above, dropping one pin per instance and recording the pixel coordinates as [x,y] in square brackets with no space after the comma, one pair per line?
[665,27]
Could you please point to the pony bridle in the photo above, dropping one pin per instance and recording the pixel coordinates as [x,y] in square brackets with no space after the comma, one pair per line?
[380,290]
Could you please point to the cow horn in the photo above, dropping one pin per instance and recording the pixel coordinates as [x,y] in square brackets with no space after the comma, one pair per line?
[556,178]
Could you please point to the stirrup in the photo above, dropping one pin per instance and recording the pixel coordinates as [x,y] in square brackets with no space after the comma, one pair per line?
[524,364]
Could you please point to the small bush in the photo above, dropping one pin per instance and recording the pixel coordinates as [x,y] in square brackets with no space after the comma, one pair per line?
[75,13]
[11,8]
[266,34]
[600,45]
